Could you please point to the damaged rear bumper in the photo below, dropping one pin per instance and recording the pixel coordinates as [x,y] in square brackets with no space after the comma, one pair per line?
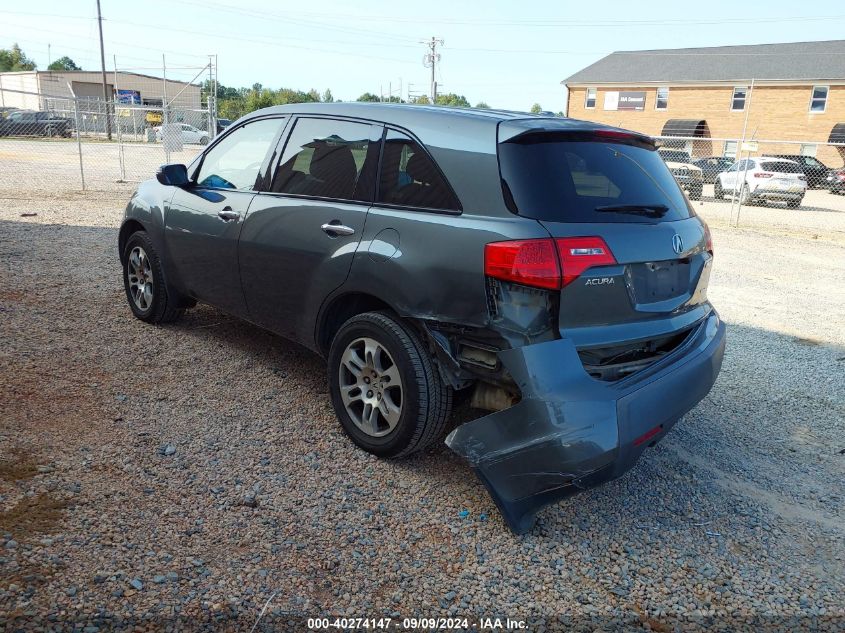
[570,431]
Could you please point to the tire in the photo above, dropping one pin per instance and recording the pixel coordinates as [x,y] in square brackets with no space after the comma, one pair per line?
[148,295]
[49,131]
[794,204]
[424,400]
[718,193]
[203,140]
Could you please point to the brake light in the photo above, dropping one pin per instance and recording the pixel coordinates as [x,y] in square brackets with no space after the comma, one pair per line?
[763,174]
[538,262]
[577,254]
[708,238]
[528,262]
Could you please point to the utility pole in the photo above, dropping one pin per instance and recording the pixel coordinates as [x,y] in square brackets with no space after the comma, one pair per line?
[103,67]
[430,60]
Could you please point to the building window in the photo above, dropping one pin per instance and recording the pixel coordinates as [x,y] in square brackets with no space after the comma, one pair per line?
[590,101]
[730,149]
[818,102]
[809,150]
[738,100]
[662,101]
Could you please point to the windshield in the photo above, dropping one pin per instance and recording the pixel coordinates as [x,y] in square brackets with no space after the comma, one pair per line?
[589,181]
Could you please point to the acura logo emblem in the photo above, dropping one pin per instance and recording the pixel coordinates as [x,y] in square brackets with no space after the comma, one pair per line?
[677,243]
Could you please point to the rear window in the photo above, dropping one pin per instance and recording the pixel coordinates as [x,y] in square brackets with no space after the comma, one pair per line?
[781,167]
[546,178]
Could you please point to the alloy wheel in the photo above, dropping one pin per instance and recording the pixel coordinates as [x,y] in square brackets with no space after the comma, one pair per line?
[370,387]
[139,274]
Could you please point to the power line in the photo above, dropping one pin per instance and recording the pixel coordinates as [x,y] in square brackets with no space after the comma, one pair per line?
[543,22]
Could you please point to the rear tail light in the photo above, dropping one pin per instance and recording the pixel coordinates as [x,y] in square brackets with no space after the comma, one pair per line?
[528,262]
[577,254]
[763,174]
[538,262]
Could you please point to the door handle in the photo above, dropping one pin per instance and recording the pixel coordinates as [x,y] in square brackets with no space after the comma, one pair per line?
[335,228]
[227,214]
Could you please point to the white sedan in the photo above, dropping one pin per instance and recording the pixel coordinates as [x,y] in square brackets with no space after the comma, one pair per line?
[763,178]
[190,134]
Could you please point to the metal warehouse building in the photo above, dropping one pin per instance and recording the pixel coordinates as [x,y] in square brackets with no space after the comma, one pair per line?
[702,96]
[125,86]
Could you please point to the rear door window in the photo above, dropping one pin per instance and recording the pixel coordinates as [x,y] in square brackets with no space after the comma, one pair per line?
[782,167]
[410,178]
[326,158]
[547,178]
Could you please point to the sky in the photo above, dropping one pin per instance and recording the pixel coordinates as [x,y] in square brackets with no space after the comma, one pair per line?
[507,54]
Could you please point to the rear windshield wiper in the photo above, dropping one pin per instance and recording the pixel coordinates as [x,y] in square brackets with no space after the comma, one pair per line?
[650,210]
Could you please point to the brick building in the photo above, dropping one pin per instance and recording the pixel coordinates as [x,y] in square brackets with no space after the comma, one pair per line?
[700,97]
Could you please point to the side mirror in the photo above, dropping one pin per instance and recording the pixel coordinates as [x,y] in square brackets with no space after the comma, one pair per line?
[174,175]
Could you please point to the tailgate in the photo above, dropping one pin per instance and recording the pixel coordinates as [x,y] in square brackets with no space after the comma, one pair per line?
[657,286]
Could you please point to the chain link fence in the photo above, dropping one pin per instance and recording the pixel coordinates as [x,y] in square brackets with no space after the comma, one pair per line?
[85,143]
[806,175]
[57,144]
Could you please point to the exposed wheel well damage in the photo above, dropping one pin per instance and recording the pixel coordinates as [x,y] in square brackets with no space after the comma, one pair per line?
[339,311]
[129,227]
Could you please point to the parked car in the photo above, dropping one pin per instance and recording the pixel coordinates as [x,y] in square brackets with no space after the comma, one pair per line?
[689,176]
[836,180]
[551,268]
[815,170]
[190,134]
[763,179]
[713,166]
[29,123]
[222,124]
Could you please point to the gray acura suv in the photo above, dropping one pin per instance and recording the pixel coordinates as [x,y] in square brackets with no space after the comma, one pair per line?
[550,269]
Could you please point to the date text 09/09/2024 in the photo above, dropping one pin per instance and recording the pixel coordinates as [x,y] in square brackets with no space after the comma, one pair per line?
[411,624]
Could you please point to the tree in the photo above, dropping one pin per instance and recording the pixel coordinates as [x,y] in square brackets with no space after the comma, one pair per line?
[368,97]
[64,63]
[454,100]
[483,105]
[14,59]
[536,108]
[421,100]
[327,96]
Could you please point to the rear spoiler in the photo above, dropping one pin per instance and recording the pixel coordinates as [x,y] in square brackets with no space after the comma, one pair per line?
[518,132]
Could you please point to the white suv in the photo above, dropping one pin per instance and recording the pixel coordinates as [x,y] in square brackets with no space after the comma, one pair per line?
[764,179]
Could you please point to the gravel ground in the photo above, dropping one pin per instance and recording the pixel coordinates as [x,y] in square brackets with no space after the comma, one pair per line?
[197,471]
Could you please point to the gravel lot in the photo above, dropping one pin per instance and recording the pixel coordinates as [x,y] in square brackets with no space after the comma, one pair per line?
[52,165]
[197,470]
